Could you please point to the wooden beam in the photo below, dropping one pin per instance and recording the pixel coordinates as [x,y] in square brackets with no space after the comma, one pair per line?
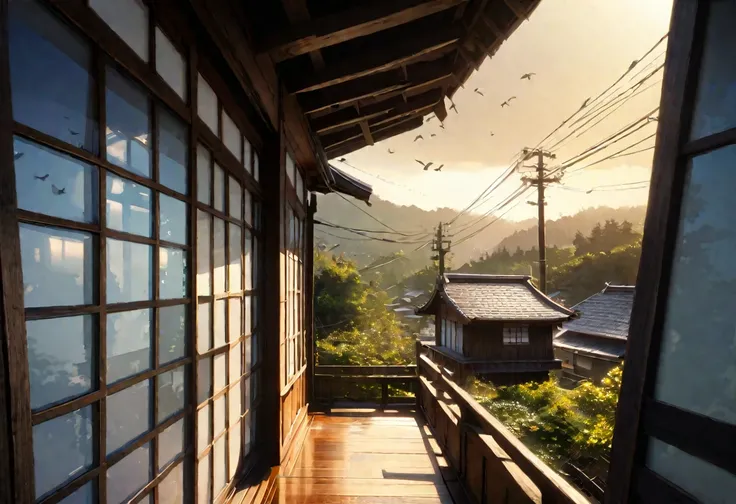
[372,85]
[348,116]
[397,129]
[366,132]
[349,24]
[498,32]
[298,13]
[385,54]
[440,111]
[517,8]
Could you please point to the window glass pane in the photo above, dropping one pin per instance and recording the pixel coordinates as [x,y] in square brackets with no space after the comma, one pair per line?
[715,104]
[219,203]
[220,373]
[204,428]
[203,254]
[127,415]
[234,320]
[219,322]
[204,479]
[219,256]
[61,358]
[233,451]
[235,272]
[170,387]
[299,186]
[236,199]
[128,343]
[127,18]
[52,183]
[290,168]
[204,379]
[699,326]
[249,424]
[256,167]
[235,403]
[248,208]
[704,481]
[248,265]
[204,175]
[247,162]
[236,363]
[254,264]
[172,273]
[129,272]
[52,86]
[248,359]
[171,489]
[128,476]
[83,495]
[207,104]
[204,329]
[231,135]
[248,392]
[172,332]
[220,461]
[172,219]
[219,414]
[57,266]
[247,317]
[170,64]
[62,449]
[128,131]
[173,152]
[128,206]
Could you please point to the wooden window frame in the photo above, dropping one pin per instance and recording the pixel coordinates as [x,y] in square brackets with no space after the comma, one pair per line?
[520,334]
[639,415]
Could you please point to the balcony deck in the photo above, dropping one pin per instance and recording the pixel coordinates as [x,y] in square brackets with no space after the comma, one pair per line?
[371,457]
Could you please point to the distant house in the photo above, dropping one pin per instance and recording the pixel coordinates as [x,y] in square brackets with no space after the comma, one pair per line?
[590,345]
[498,327]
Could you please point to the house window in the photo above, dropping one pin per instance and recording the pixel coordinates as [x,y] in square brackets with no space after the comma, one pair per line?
[451,335]
[170,64]
[516,335]
[584,362]
[127,18]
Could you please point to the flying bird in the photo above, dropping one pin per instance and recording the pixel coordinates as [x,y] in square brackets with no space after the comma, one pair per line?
[342,160]
[74,133]
[42,179]
[589,191]
[433,135]
[439,168]
[442,126]
[507,103]
[528,76]
[418,137]
[18,155]
[57,191]
[429,118]
[652,118]
[585,103]
[424,165]
[454,107]
[492,133]
[390,151]
[477,90]
[633,64]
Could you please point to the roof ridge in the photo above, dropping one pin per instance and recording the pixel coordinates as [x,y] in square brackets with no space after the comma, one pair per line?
[545,299]
[484,277]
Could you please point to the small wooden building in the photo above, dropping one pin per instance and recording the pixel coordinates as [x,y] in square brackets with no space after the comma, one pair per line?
[595,342]
[497,327]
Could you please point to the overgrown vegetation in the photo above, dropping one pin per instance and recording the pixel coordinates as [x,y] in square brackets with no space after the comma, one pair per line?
[558,425]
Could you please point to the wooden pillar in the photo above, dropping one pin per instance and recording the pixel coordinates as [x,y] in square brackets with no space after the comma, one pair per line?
[310,342]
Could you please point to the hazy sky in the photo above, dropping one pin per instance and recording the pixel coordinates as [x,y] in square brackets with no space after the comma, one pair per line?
[577,48]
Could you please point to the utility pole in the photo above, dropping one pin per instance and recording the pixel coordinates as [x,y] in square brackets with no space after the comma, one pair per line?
[442,247]
[540,180]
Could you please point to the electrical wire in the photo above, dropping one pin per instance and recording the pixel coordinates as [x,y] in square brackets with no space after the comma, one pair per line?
[522,187]
[615,154]
[487,191]
[376,238]
[368,214]
[348,228]
[378,177]
[475,233]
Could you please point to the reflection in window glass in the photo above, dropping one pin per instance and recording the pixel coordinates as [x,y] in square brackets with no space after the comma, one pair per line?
[290,168]
[84,495]
[204,276]
[715,104]
[171,489]
[235,403]
[171,391]
[204,379]
[233,451]
[704,481]
[127,415]
[172,273]
[204,428]
[62,449]
[235,270]
[699,325]
[170,64]
[52,86]
[248,353]
[207,104]
[128,343]
[57,266]
[128,206]
[236,199]
[219,322]
[128,476]
[128,133]
[204,175]
[172,219]
[129,273]
[127,18]
[172,332]
[60,358]
[256,167]
[248,208]
[204,479]
[247,161]
[231,136]
[53,183]
[219,256]
[219,203]
[219,414]
[220,461]
[173,152]
[204,329]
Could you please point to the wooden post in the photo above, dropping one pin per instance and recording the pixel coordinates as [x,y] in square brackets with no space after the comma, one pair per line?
[310,342]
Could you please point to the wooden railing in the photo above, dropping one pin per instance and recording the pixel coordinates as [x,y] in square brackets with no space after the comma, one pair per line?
[381,385]
[491,463]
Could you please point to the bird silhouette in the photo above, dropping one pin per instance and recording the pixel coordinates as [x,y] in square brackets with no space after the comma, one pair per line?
[442,126]
[492,133]
[652,118]
[57,191]
[66,117]
[18,155]
[507,103]
[418,137]
[585,103]
[633,64]
[439,168]
[390,151]
[342,160]
[41,178]
[528,76]
[424,165]
[454,107]
[433,135]
[429,118]
[478,91]
[589,191]
[74,133]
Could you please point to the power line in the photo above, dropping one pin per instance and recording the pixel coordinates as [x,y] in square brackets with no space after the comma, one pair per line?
[376,238]
[378,177]
[522,187]
[367,213]
[338,226]
[491,187]
[616,154]
[475,233]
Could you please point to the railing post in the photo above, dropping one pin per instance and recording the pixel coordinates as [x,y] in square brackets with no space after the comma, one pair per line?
[417,385]
[384,394]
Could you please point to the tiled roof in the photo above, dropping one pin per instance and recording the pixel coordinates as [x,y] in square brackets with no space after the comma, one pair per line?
[500,297]
[597,347]
[605,314]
